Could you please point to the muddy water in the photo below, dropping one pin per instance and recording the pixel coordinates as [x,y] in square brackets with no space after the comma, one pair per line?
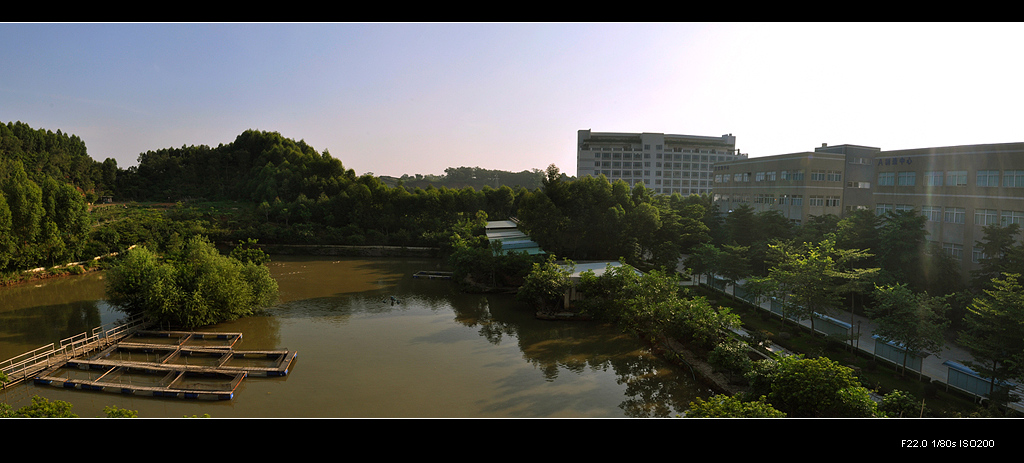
[375,342]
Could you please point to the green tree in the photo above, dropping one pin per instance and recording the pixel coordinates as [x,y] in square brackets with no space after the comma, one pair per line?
[994,331]
[198,287]
[734,264]
[726,406]
[913,321]
[819,388]
[546,284]
[813,276]
[900,404]
[114,412]
[731,356]
[900,250]
[706,259]
[248,251]
[998,256]
[42,408]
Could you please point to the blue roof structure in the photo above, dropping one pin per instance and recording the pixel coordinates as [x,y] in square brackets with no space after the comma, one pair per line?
[511,238]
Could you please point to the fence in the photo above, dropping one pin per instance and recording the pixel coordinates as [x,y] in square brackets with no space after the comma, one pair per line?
[25,365]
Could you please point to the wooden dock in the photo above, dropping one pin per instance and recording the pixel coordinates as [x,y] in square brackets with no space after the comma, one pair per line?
[438,275]
[192,365]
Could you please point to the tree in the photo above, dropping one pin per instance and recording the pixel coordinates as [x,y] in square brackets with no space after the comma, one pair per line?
[248,251]
[731,355]
[998,256]
[740,225]
[546,284]
[994,332]
[198,287]
[114,412]
[726,406]
[819,388]
[900,404]
[812,276]
[706,259]
[913,321]
[734,264]
[42,408]
[900,251]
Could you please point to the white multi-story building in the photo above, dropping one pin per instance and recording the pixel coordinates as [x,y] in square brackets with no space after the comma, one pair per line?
[665,163]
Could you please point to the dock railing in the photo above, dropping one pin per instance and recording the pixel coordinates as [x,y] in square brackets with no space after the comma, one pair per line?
[28,364]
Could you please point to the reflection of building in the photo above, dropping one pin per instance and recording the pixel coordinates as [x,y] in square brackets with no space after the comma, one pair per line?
[665,163]
[960,189]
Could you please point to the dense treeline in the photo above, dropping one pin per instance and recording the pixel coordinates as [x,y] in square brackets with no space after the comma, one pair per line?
[593,219]
[63,157]
[475,177]
[45,180]
[300,196]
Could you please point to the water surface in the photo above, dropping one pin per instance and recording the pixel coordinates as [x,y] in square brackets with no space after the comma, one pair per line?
[375,342]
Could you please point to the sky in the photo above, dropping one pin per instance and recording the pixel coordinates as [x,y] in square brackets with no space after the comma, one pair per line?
[417,98]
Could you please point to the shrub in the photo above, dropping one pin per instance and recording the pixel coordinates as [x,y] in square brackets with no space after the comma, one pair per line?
[195,287]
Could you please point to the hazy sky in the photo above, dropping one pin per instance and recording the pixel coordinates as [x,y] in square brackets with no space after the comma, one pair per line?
[399,99]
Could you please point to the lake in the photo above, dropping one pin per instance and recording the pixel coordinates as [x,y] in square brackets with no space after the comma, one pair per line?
[374,342]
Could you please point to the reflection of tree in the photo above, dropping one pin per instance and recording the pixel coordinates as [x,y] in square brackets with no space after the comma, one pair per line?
[653,388]
[45,324]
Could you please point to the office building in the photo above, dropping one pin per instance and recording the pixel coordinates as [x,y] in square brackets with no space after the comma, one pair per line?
[665,163]
[960,189]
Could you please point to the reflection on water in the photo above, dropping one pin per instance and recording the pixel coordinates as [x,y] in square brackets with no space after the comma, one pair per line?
[375,342]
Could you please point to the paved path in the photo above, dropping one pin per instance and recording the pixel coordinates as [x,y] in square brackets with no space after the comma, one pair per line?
[931,366]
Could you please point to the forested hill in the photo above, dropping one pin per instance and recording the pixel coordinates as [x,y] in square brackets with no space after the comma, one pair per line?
[474,177]
[301,196]
[257,166]
[63,157]
[44,180]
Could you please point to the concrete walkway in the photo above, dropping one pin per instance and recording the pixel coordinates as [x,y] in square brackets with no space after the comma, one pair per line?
[931,366]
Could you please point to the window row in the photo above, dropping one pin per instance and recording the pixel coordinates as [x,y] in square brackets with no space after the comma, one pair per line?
[986,178]
[958,214]
[670,157]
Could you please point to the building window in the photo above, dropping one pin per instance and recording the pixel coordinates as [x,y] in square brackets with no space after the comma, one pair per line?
[832,201]
[835,176]
[986,217]
[956,178]
[796,200]
[816,201]
[759,177]
[906,178]
[932,213]
[798,175]
[784,175]
[817,176]
[1013,178]
[953,249]
[954,215]
[882,209]
[933,178]
[1012,217]
[977,255]
[988,178]
[904,208]
[886,179]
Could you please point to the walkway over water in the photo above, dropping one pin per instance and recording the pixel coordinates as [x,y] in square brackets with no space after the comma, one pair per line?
[30,363]
[191,365]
